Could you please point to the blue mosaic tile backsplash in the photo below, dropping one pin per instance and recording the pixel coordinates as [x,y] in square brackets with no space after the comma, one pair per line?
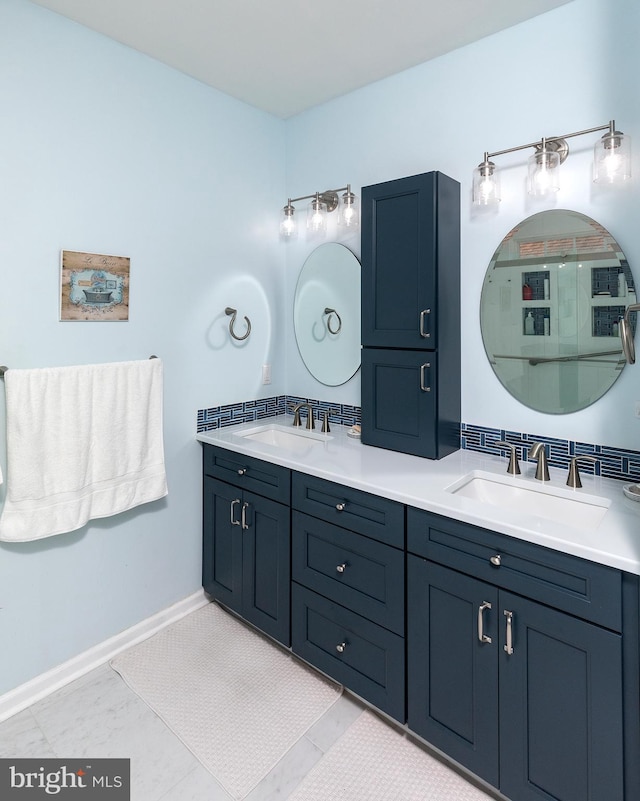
[232,414]
[612,462]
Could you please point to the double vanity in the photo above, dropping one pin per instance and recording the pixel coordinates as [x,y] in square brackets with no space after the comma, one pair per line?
[495,616]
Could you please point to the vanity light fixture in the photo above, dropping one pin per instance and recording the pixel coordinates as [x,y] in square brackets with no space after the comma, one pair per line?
[322,204]
[612,164]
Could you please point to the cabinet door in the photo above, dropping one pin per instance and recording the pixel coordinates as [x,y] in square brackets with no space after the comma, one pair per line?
[398,260]
[266,565]
[222,542]
[399,401]
[452,674]
[561,718]
[410,235]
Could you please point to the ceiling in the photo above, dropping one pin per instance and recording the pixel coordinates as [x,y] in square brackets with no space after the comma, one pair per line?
[284,56]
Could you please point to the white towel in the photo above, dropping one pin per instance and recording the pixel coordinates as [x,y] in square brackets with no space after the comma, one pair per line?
[82,442]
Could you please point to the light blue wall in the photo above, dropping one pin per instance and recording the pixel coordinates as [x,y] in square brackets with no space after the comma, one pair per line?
[105,150]
[570,69]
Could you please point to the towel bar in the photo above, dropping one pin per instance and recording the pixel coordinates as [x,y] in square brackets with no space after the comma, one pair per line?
[4,368]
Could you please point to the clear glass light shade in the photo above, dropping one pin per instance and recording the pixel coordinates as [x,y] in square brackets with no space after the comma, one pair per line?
[288,227]
[317,216]
[486,185]
[612,158]
[349,214]
[544,173]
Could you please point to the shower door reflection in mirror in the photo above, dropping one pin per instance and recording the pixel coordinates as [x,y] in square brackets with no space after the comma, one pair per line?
[552,298]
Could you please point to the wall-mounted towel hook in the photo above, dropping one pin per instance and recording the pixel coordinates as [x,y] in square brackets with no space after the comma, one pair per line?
[330,312]
[234,313]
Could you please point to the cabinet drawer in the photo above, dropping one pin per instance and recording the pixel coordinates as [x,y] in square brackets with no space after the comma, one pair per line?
[263,478]
[357,572]
[359,654]
[578,586]
[367,514]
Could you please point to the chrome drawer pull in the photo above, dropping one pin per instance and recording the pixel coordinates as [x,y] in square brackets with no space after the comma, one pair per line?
[496,560]
[341,568]
[341,647]
[243,516]
[234,522]
[509,645]
[341,506]
[423,315]
[423,386]
[242,471]
[481,635]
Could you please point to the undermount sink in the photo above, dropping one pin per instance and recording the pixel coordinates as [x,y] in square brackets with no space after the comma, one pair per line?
[293,439]
[551,503]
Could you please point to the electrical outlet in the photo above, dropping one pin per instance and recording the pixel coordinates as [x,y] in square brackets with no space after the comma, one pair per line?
[636,410]
[266,373]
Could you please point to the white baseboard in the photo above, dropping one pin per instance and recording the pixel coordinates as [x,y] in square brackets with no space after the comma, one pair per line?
[34,690]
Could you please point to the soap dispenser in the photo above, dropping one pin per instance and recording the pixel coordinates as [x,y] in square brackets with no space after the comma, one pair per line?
[529,324]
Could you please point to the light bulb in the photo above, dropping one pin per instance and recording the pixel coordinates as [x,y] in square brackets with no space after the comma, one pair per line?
[486,184]
[543,172]
[288,227]
[317,216]
[349,210]
[612,158]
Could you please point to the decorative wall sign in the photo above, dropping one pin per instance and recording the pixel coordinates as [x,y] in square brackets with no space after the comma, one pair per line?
[94,287]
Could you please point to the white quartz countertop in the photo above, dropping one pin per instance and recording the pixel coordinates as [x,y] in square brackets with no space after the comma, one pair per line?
[424,483]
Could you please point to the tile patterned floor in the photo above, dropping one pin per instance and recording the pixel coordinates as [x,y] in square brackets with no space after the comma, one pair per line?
[99,716]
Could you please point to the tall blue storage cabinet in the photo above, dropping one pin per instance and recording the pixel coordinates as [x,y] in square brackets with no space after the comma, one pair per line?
[411,315]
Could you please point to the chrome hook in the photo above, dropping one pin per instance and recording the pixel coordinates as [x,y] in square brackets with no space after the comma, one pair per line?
[330,312]
[233,313]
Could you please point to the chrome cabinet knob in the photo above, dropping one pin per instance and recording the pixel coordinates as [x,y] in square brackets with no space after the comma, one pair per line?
[242,471]
[341,568]
[341,506]
[496,560]
[341,647]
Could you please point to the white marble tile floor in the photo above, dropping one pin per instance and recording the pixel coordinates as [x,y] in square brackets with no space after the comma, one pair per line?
[99,716]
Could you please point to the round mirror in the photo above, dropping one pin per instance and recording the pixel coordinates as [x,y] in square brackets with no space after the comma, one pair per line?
[326,314]
[550,311]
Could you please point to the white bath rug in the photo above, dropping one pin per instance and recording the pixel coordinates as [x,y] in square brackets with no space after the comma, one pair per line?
[372,761]
[235,699]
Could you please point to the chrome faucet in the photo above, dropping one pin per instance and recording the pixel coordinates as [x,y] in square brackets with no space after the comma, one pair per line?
[514,467]
[573,479]
[296,415]
[538,451]
[326,428]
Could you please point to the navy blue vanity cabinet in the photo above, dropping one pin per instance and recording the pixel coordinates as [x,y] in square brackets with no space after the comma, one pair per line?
[246,538]
[522,662]
[347,597]
[411,315]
